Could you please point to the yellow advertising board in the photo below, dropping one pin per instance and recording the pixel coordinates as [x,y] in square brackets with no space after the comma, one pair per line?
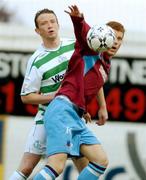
[2,123]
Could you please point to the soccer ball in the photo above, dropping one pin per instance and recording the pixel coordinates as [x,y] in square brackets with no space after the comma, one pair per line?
[100,38]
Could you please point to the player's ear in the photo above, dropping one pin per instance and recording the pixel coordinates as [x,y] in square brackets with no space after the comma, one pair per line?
[37,31]
[82,15]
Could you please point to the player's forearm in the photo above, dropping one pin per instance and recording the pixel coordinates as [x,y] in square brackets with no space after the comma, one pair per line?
[80,28]
[101,98]
[34,98]
[102,112]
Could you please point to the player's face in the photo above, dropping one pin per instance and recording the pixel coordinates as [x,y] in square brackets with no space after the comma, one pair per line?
[47,26]
[118,41]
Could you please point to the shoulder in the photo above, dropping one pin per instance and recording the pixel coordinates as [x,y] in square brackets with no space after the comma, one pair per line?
[35,57]
[38,54]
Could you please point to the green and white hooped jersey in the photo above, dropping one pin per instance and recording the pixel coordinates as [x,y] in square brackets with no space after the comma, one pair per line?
[45,71]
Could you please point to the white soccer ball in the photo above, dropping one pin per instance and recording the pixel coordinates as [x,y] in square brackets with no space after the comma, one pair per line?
[100,38]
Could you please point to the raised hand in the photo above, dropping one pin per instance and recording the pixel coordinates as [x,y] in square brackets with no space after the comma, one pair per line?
[74,11]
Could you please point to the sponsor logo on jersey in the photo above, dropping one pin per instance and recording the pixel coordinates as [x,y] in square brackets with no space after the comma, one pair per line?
[58,78]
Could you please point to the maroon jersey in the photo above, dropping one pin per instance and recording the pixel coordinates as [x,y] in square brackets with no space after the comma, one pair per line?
[87,70]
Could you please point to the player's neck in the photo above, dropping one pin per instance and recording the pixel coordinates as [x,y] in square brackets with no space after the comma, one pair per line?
[51,43]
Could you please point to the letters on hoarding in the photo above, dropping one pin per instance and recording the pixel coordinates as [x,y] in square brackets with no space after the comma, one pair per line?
[125,89]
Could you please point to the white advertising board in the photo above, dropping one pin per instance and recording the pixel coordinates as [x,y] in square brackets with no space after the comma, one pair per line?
[125,144]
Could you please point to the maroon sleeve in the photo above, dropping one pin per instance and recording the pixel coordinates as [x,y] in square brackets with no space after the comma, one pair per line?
[81,29]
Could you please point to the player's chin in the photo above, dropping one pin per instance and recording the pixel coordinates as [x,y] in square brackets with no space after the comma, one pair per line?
[111,52]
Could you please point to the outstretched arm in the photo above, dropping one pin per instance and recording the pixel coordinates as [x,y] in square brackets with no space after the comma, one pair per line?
[80,26]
